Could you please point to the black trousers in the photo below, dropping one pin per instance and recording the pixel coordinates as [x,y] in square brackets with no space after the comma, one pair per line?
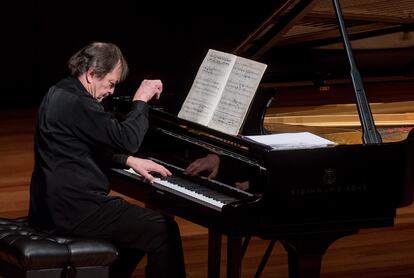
[137,231]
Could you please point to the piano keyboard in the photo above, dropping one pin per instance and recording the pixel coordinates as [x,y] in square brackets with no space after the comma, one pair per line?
[194,191]
[184,187]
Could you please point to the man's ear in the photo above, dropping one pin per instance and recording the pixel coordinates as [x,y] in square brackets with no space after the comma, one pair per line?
[89,75]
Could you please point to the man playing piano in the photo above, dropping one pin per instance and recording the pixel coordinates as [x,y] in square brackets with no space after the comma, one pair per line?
[75,142]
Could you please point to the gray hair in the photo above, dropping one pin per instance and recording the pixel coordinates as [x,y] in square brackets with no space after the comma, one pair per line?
[102,57]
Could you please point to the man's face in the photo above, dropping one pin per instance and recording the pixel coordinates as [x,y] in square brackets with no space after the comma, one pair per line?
[103,87]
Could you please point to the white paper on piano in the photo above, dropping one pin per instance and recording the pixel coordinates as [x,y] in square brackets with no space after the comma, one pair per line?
[299,140]
[222,91]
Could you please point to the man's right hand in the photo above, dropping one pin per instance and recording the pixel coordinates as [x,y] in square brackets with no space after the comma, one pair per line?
[148,89]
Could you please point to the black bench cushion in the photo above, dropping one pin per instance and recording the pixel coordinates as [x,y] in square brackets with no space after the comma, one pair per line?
[26,248]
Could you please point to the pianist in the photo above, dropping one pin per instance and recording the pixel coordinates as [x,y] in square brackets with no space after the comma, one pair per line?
[75,142]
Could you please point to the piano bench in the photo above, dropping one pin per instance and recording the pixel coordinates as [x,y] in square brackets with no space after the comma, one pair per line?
[26,252]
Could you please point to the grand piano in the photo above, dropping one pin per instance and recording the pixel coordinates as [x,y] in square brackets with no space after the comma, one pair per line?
[305,198]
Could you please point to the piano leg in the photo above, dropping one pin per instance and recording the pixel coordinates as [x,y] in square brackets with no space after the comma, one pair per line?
[234,255]
[305,252]
[214,253]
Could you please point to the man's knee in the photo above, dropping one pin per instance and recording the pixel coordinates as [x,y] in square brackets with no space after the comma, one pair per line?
[166,230]
[156,233]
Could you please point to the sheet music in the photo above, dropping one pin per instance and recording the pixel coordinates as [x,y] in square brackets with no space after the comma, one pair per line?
[237,95]
[207,87]
[299,140]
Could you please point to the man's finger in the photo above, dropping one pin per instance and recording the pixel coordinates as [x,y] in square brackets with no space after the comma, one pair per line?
[148,177]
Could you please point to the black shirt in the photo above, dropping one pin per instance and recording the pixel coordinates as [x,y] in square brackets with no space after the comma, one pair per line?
[74,139]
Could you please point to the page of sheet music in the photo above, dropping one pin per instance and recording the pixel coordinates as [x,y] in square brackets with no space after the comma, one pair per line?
[207,87]
[237,95]
[295,140]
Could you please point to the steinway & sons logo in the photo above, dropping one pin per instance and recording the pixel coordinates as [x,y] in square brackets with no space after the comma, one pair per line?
[329,185]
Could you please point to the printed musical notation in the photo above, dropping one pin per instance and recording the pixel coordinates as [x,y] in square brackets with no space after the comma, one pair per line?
[222,91]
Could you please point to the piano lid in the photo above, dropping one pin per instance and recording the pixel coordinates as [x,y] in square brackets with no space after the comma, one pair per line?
[301,40]
[307,63]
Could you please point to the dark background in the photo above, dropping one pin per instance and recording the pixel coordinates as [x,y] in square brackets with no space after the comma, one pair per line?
[158,41]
